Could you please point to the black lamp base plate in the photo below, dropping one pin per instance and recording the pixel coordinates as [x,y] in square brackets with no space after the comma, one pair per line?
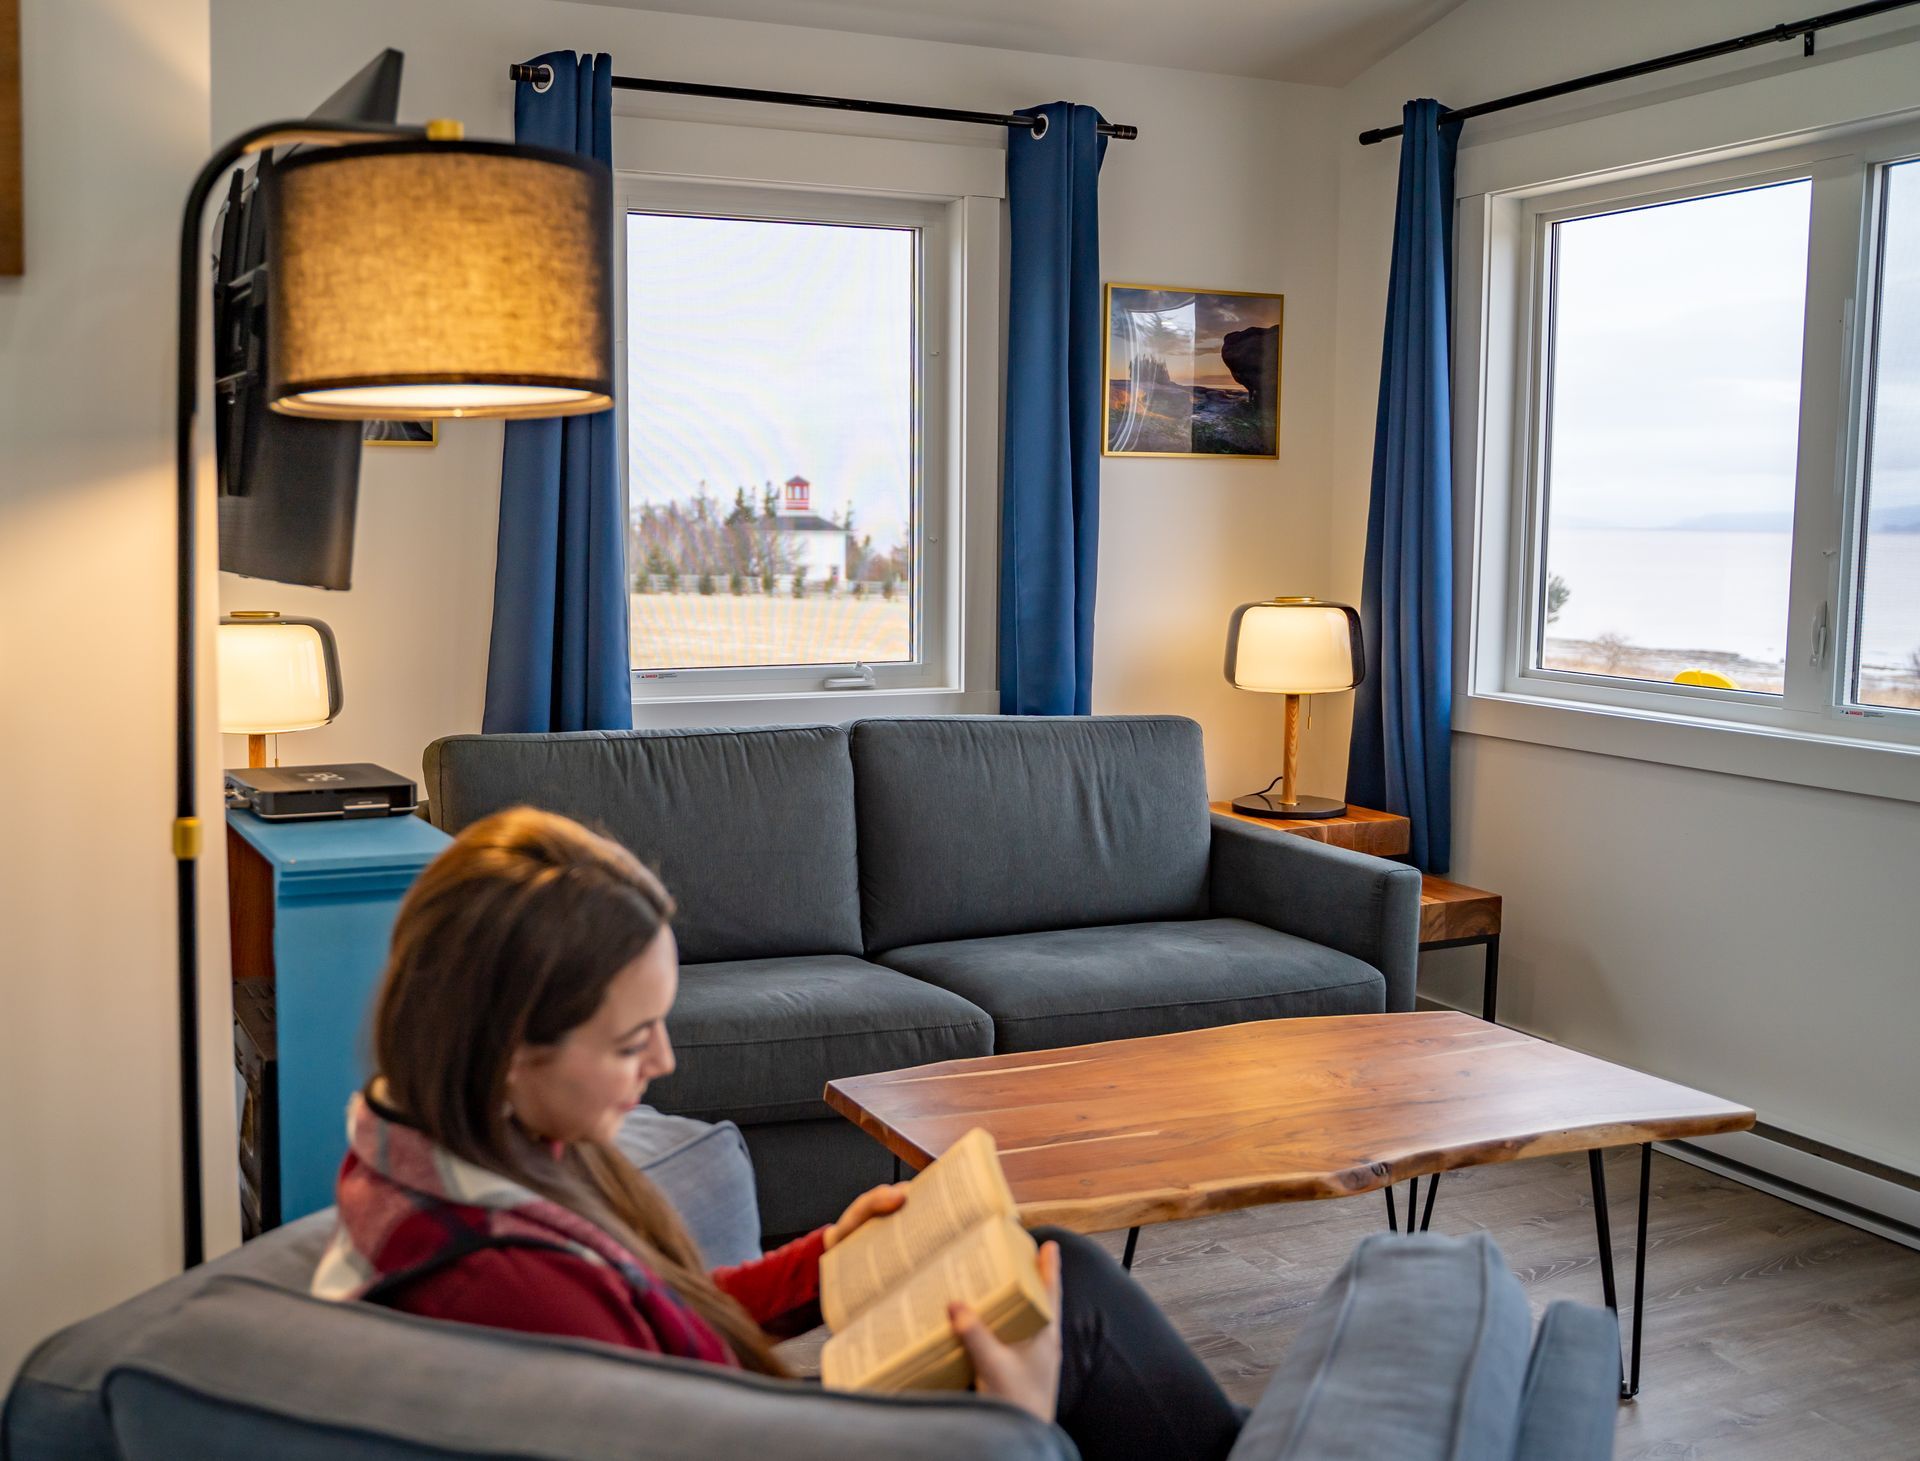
[1306,808]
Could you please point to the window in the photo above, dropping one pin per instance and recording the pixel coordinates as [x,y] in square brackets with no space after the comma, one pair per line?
[784,405]
[1672,382]
[1708,505]
[1885,663]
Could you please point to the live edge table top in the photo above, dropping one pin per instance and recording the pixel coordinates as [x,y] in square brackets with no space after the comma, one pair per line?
[1151,1130]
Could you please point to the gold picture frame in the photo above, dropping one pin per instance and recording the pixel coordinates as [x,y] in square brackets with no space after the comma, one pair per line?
[400,433]
[1199,366]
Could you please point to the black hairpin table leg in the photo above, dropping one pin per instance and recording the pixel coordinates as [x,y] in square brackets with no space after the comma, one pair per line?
[1413,1205]
[1630,1383]
[1126,1257]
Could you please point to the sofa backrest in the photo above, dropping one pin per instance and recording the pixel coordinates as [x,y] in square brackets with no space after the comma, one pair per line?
[973,826]
[245,1370]
[751,830]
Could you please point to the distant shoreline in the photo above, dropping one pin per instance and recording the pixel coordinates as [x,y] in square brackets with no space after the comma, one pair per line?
[1879,685]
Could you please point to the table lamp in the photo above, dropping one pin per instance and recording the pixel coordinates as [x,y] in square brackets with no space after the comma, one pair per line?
[1293,647]
[276,675]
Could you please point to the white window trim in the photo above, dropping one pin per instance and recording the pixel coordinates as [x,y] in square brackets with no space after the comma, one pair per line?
[1795,738]
[953,192]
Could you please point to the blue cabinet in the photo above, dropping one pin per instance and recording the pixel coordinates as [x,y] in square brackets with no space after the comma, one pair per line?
[312,908]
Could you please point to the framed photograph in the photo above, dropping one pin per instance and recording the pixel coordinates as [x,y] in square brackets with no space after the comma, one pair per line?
[1191,373]
[400,433]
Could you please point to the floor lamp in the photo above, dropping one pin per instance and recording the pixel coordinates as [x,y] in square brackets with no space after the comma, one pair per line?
[410,275]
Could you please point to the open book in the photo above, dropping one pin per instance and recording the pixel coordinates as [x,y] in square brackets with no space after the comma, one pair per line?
[884,1291]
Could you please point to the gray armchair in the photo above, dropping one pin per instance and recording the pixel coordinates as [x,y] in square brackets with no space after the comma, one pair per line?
[1420,1349]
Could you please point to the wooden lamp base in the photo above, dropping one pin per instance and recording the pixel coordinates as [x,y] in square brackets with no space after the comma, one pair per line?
[1287,804]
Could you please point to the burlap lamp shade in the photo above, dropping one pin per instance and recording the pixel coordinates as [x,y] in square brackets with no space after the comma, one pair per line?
[439,279]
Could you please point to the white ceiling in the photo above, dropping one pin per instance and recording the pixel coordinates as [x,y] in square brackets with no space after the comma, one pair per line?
[1326,42]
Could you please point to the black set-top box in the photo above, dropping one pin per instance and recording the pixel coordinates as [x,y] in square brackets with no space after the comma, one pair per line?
[295,793]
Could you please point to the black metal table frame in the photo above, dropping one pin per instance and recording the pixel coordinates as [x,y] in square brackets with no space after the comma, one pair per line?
[1490,985]
[1603,1233]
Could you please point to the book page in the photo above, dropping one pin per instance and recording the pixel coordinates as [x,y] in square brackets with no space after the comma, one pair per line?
[963,1186]
[906,1339]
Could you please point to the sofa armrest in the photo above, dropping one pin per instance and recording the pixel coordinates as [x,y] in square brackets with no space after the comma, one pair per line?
[1572,1394]
[1417,1351]
[1361,905]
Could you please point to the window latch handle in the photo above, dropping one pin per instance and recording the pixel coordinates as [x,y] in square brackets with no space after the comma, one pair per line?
[1819,636]
[860,679]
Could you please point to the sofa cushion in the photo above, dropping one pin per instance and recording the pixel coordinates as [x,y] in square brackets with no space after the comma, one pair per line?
[758,1039]
[54,1411]
[245,1371]
[751,830]
[1076,985]
[705,1172]
[1415,1351]
[983,825]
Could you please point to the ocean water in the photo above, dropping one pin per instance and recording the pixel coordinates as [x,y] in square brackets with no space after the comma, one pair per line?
[1674,589]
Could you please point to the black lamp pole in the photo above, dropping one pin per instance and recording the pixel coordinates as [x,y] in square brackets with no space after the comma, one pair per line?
[186,825]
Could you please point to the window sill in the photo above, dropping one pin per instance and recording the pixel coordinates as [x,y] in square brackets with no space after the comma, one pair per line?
[1730,748]
[823,706]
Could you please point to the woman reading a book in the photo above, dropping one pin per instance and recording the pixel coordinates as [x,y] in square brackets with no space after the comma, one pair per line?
[522,1014]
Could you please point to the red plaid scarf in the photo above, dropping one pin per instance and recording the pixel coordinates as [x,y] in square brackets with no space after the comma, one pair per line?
[394,1174]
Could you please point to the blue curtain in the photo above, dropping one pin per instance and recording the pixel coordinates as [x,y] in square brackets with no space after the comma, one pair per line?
[1402,755]
[558,659]
[1050,489]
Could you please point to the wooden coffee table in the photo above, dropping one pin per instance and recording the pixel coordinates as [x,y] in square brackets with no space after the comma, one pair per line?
[1128,1132]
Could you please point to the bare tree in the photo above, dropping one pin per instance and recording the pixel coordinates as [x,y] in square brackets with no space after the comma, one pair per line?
[1614,650]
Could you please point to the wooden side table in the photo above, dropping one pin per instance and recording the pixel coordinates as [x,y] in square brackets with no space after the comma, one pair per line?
[1452,915]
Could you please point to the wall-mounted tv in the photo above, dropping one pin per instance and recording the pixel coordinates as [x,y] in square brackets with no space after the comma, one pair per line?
[289,488]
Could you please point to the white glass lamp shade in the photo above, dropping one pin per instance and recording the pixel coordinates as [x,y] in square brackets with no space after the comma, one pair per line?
[1295,646]
[439,279]
[277,675]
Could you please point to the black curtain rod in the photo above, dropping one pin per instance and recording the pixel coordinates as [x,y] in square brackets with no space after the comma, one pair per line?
[1805,30]
[542,76]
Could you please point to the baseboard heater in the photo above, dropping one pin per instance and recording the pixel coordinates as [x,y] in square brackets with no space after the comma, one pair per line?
[1862,1191]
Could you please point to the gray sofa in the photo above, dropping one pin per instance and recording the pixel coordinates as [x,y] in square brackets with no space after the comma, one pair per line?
[1421,1349]
[894,892]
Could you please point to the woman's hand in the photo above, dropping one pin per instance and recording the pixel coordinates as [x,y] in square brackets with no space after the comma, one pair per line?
[877,1202]
[1025,1374]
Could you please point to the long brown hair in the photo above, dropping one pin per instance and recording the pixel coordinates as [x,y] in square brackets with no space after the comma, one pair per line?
[510,938]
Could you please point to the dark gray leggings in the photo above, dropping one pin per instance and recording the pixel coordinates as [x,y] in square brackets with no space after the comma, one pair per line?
[1129,1386]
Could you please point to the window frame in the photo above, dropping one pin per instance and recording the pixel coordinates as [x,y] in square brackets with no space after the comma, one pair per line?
[1812,731]
[943,227]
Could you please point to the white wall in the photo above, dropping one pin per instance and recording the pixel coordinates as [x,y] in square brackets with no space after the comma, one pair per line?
[1231,185]
[115,124]
[1753,938]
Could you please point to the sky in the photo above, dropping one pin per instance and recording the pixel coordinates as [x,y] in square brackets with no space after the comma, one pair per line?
[1677,358]
[759,350]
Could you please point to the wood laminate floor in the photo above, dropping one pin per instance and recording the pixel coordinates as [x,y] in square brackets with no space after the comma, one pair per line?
[1772,1333]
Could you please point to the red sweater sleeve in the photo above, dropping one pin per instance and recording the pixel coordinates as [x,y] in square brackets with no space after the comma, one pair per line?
[536,1292]
[777,1283]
